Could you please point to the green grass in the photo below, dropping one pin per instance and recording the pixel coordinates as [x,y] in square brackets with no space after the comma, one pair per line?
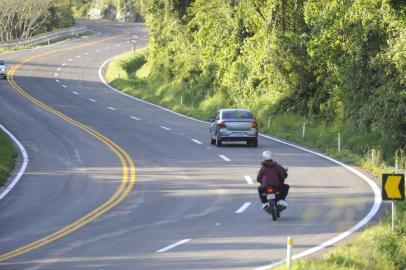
[7,157]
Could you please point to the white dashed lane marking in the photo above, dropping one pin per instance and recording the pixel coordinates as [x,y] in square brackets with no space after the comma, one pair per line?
[64,86]
[111,108]
[173,245]
[92,100]
[249,180]
[63,64]
[243,208]
[76,93]
[135,118]
[196,141]
[164,128]
[57,81]
[224,157]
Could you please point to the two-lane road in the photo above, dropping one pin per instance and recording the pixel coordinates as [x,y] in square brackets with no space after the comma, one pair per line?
[192,206]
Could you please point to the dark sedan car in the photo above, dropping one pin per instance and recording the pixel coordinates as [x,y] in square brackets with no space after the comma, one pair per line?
[234,125]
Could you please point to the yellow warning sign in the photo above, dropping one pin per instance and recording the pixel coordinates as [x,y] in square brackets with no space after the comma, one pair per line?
[393,187]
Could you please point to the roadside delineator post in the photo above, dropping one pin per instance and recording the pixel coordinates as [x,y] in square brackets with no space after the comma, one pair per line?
[339,142]
[393,188]
[304,130]
[289,252]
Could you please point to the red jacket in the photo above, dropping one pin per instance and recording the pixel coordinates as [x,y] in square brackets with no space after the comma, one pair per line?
[270,174]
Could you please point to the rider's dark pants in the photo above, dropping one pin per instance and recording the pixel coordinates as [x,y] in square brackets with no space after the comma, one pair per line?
[284,189]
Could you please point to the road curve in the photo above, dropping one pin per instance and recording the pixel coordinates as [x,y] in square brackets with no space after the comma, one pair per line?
[193,206]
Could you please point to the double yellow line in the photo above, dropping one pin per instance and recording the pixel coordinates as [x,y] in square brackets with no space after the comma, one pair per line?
[128,168]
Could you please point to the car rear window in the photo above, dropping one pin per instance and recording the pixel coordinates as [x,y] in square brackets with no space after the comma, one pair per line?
[2,62]
[237,115]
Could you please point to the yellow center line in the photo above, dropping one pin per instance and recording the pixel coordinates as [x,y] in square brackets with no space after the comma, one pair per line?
[128,168]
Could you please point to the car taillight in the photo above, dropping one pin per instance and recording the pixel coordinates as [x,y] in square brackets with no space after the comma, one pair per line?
[222,125]
[254,125]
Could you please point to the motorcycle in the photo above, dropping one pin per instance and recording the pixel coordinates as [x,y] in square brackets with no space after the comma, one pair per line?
[273,208]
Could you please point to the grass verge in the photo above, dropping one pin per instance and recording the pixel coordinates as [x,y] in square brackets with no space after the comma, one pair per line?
[7,157]
[377,247]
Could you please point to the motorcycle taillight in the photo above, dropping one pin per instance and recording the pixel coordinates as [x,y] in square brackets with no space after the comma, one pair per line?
[269,190]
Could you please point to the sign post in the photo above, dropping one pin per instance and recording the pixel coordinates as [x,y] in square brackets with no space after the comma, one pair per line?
[393,188]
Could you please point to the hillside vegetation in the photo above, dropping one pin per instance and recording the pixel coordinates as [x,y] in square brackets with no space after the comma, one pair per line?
[335,64]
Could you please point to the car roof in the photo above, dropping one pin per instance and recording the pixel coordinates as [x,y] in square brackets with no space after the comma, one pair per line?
[235,110]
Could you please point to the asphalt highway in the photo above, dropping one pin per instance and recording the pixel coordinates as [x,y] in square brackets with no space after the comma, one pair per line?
[116,183]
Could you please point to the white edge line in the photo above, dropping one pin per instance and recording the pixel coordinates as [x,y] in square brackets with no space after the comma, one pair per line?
[224,157]
[196,141]
[371,183]
[164,128]
[243,208]
[249,180]
[23,166]
[181,242]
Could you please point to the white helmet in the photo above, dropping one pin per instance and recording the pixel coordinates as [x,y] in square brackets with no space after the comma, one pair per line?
[267,155]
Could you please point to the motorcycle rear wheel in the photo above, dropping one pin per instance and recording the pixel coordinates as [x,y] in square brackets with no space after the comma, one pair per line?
[273,209]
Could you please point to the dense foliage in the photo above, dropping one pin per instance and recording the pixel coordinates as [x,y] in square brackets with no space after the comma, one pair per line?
[337,61]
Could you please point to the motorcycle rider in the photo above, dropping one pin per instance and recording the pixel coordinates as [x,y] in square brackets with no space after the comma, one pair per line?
[272,174]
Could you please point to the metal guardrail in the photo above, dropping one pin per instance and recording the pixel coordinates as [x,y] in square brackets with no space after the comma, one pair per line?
[46,38]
